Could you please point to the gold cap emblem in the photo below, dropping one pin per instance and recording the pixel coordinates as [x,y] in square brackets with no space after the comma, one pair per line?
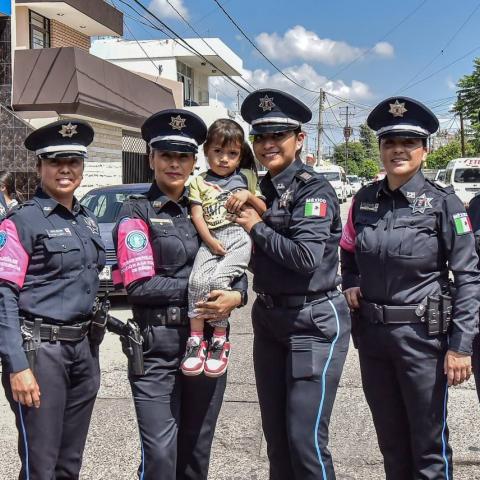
[266,103]
[397,109]
[177,123]
[68,130]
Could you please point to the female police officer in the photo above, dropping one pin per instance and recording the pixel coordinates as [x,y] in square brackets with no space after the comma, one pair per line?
[403,236]
[156,245]
[50,256]
[301,323]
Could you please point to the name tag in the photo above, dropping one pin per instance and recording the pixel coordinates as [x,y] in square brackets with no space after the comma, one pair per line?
[59,232]
[161,221]
[369,207]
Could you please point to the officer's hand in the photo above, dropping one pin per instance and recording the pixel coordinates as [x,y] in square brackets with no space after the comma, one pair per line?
[247,218]
[25,388]
[219,304]
[216,247]
[353,296]
[237,200]
[457,367]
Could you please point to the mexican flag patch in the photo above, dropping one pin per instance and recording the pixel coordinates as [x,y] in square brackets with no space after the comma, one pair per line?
[315,207]
[462,223]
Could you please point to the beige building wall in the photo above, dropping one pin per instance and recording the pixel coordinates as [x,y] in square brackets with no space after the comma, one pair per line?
[63,36]
[104,164]
[21,26]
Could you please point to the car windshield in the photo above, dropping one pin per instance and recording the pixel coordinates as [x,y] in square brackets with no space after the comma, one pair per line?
[467,175]
[330,176]
[353,178]
[105,205]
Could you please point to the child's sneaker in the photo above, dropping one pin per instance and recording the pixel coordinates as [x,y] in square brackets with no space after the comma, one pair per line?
[194,359]
[217,358]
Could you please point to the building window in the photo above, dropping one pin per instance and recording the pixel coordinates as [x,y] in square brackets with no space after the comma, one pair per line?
[185,75]
[39,30]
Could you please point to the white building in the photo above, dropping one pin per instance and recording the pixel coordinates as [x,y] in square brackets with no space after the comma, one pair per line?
[170,60]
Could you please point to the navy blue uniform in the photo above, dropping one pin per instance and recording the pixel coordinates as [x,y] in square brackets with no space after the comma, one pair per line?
[398,247]
[156,246]
[3,207]
[301,322]
[474,214]
[50,258]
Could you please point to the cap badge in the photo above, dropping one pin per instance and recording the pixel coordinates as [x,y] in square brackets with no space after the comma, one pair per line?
[177,122]
[421,204]
[266,103]
[68,130]
[397,109]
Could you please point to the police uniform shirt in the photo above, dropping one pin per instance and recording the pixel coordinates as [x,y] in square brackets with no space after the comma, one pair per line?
[50,259]
[296,246]
[474,215]
[399,245]
[156,245]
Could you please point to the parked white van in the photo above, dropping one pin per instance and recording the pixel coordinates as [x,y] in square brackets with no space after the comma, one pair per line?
[464,176]
[337,178]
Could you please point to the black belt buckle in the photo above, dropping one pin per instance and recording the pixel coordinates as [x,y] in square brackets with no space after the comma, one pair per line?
[266,299]
[54,333]
[378,314]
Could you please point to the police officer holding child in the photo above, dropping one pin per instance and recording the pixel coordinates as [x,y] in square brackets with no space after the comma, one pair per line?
[301,321]
[50,256]
[404,235]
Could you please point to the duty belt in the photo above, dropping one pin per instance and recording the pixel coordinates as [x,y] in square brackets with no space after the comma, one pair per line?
[163,316]
[62,333]
[391,314]
[294,301]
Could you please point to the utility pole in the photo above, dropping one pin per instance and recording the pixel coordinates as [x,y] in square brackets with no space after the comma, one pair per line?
[347,132]
[321,98]
[462,130]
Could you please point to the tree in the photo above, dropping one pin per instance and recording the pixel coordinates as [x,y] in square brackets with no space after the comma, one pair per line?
[440,157]
[369,168]
[370,142]
[468,101]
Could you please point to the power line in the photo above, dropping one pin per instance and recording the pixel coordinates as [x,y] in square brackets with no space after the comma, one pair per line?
[442,51]
[177,38]
[260,52]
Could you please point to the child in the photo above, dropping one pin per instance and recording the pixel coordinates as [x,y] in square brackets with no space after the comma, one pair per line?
[225,251]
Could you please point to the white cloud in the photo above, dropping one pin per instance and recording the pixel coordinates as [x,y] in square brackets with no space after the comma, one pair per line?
[300,43]
[303,74]
[451,84]
[162,8]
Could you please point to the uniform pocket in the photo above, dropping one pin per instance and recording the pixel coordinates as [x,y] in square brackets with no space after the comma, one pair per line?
[324,320]
[369,231]
[168,249]
[61,253]
[303,358]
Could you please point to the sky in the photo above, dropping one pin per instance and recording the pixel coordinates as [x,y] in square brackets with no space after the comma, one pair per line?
[360,51]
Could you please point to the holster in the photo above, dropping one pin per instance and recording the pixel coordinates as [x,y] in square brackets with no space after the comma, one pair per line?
[31,342]
[99,320]
[438,314]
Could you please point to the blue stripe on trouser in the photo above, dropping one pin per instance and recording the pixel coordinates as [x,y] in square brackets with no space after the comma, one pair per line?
[25,442]
[444,440]
[322,400]
[142,473]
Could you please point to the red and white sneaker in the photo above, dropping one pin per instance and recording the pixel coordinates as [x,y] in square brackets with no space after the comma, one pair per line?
[194,359]
[217,358]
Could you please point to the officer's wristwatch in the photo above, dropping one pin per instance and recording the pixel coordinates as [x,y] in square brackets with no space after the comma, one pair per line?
[243,297]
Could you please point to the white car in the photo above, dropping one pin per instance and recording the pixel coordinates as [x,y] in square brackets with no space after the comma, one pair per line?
[337,178]
[355,183]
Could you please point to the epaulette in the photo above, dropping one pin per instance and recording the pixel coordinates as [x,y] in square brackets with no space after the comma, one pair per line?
[445,190]
[304,175]
[20,206]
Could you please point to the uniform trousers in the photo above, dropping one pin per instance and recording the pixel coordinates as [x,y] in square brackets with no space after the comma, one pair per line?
[476,363]
[298,356]
[52,438]
[406,390]
[176,414]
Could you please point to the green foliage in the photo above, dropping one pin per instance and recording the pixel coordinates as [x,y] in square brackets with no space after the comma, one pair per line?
[440,157]
[363,155]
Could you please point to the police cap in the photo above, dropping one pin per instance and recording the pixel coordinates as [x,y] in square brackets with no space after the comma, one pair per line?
[269,110]
[402,117]
[174,130]
[64,138]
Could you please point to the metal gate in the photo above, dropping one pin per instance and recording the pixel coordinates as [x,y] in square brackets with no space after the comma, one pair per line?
[135,165]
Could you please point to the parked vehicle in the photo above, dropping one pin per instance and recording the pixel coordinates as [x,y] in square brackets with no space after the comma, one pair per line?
[106,203]
[337,178]
[463,174]
[355,182]
[440,176]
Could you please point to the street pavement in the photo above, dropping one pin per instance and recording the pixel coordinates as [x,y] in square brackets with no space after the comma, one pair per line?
[239,450]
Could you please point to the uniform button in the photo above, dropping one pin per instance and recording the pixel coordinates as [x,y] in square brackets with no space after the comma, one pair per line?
[88,290]
[186,235]
[89,267]
[81,267]
[74,222]
[85,242]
